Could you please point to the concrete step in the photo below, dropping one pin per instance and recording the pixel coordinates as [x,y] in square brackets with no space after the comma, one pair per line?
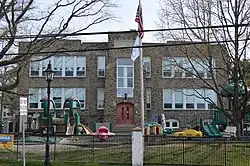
[123,128]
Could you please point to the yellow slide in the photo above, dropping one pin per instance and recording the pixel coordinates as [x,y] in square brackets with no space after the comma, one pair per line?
[87,129]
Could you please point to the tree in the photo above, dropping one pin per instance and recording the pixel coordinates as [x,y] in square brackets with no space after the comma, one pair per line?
[24,20]
[197,18]
[19,17]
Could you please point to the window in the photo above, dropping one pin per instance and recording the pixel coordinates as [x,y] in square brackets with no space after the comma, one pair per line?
[101,66]
[178,99]
[147,66]
[80,66]
[69,65]
[200,94]
[148,98]
[35,66]
[100,98]
[188,69]
[125,77]
[45,63]
[189,99]
[211,98]
[178,69]
[34,98]
[80,95]
[68,92]
[167,66]
[167,98]
[58,65]
[172,123]
[189,94]
[199,66]
[57,97]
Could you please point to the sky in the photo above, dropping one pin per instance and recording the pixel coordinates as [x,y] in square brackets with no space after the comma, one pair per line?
[125,13]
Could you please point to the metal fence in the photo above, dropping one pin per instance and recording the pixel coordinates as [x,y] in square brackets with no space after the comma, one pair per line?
[118,150]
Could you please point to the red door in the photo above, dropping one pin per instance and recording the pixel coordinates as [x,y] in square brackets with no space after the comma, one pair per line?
[125,113]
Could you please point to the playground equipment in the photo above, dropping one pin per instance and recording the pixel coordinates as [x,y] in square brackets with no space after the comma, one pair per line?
[210,129]
[68,123]
[188,133]
[44,115]
[103,133]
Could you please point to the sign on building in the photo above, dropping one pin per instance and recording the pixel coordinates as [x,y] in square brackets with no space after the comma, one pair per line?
[122,91]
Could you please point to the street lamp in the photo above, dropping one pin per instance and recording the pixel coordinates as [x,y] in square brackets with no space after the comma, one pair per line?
[49,74]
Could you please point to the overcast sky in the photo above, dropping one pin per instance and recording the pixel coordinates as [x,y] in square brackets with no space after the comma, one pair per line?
[126,15]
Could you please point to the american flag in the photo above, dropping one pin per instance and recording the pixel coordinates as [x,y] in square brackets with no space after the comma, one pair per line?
[139,20]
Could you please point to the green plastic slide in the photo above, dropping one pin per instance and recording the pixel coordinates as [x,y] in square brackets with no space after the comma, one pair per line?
[215,130]
[212,131]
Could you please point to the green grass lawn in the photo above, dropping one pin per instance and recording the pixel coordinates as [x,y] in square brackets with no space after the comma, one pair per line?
[236,154]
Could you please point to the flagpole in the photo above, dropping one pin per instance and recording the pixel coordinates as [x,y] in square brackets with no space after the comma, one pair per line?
[142,88]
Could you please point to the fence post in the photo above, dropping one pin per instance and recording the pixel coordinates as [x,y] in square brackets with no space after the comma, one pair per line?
[137,147]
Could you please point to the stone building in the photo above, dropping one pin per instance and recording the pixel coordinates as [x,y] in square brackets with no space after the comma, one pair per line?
[101,77]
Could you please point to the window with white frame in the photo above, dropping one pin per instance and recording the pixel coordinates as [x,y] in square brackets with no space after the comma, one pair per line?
[69,65]
[80,66]
[189,99]
[34,98]
[178,94]
[100,98]
[101,66]
[178,69]
[147,66]
[211,98]
[45,63]
[64,66]
[58,65]
[35,66]
[59,95]
[80,95]
[181,67]
[167,98]
[148,98]
[167,67]
[200,102]
[125,77]
[172,123]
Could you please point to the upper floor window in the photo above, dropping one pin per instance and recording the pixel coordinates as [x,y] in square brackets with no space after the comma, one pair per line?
[69,66]
[64,66]
[101,66]
[147,66]
[58,95]
[181,67]
[100,98]
[189,99]
[35,66]
[125,77]
[58,65]
[80,66]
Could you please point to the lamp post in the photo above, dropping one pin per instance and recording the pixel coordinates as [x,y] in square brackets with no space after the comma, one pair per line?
[49,74]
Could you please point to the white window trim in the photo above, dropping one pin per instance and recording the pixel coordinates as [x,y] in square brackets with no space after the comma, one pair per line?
[98,68]
[184,101]
[171,121]
[40,96]
[63,67]
[183,71]
[98,93]
[147,59]
[125,68]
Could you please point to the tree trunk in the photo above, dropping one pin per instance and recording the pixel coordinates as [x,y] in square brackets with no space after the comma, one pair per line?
[239,129]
